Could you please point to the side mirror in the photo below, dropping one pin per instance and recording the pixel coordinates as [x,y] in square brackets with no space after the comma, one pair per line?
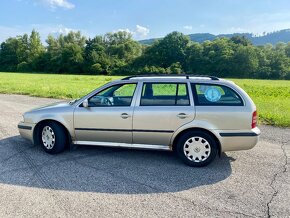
[86,103]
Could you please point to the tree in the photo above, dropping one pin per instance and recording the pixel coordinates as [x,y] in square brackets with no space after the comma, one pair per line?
[53,54]
[171,49]
[241,40]
[245,62]
[119,53]
[218,57]
[121,46]
[194,58]
[95,57]
[36,51]
[66,53]
[8,56]
[279,64]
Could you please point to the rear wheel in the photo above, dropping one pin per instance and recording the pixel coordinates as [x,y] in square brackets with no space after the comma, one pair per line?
[52,137]
[196,148]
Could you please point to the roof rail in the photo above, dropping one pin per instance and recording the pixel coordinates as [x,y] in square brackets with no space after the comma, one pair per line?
[170,75]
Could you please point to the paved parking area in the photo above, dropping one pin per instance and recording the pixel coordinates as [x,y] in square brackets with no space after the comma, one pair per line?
[107,182]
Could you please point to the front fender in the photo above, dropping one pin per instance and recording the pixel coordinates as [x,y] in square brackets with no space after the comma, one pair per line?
[65,118]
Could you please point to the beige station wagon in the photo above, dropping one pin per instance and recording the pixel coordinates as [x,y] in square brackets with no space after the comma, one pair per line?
[198,117]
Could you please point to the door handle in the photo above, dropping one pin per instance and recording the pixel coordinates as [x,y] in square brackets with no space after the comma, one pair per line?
[182,115]
[125,115]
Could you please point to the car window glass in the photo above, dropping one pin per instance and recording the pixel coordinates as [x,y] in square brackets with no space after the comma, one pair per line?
[164,94]
[117,95]
[219,95]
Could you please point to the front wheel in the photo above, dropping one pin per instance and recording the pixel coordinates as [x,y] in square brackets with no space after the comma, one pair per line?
[53,137]
[196,148]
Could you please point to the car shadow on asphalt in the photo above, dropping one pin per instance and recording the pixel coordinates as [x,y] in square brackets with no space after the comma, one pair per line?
[103,169]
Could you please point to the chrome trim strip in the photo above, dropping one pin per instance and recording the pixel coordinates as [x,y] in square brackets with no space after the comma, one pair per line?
[123,145]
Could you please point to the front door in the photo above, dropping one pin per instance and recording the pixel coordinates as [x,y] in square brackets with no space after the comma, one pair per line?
[162,109]
[108,117]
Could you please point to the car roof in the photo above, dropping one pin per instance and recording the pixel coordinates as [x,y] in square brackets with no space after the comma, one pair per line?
[170,76]
[175,78]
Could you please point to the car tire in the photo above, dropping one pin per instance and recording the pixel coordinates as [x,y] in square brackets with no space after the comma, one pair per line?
[52,137]
[196,148]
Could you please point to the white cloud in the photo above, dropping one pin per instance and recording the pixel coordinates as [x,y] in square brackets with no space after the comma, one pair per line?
[59,3]
[142,31]
[269,22]
[187,27]
[257,24]
[237,30]
[125,30]
[43,29]
[7,32]
[63,30]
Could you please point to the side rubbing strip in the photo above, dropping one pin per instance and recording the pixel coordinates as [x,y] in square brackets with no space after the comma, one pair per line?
[238,134]
[144,130]
[111,130]
[24,127]
[125,130]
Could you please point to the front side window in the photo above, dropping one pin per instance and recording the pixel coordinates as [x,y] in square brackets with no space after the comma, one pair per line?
[164,94]
[215,95]
[117,95]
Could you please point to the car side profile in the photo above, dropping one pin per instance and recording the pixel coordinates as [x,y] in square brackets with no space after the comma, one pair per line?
[198,117]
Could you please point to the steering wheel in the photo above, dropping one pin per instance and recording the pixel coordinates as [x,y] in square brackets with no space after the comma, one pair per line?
[107,101]
[101,101]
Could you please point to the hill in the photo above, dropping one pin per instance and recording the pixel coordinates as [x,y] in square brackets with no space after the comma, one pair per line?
[272,38]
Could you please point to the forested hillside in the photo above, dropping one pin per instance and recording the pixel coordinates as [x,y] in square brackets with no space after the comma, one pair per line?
[271,38]
[117,53]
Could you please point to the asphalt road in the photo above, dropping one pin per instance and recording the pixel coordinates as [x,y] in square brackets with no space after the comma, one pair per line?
[107,182]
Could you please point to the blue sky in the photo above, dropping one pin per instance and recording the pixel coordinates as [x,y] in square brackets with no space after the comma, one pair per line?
[143,18]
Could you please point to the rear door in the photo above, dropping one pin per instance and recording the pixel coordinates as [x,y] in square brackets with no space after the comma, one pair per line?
[162,107]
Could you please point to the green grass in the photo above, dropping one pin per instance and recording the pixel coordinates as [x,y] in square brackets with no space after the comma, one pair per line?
[51,85]
[272,97]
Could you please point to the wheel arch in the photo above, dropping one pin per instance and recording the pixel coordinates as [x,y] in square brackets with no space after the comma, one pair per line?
[196,129]
[40,123]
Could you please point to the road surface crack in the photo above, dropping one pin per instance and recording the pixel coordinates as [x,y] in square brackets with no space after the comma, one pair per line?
[276,175]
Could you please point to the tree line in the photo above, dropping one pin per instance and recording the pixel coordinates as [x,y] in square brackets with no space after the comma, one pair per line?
[118,54]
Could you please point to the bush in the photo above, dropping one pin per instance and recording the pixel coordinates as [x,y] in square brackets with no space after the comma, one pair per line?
[23,67]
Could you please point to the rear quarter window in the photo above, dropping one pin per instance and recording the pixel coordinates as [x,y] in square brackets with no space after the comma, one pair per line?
[215,95]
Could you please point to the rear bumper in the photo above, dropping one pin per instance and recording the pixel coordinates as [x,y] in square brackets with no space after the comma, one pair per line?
[238,140]
[26,130]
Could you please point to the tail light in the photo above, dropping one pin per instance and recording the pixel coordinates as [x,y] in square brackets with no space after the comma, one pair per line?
[254,119]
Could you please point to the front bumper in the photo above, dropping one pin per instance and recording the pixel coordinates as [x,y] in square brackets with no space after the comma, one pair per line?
[239,140]
[26,130]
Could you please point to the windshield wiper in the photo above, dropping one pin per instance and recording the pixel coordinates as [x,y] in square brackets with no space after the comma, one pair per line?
[73,101]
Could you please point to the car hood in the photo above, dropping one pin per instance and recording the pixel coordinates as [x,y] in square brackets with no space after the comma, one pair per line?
[52,106]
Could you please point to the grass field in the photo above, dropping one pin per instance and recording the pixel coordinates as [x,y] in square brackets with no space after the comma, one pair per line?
[272,97]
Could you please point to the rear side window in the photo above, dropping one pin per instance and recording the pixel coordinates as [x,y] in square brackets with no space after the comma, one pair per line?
[215,95]
[164,94]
